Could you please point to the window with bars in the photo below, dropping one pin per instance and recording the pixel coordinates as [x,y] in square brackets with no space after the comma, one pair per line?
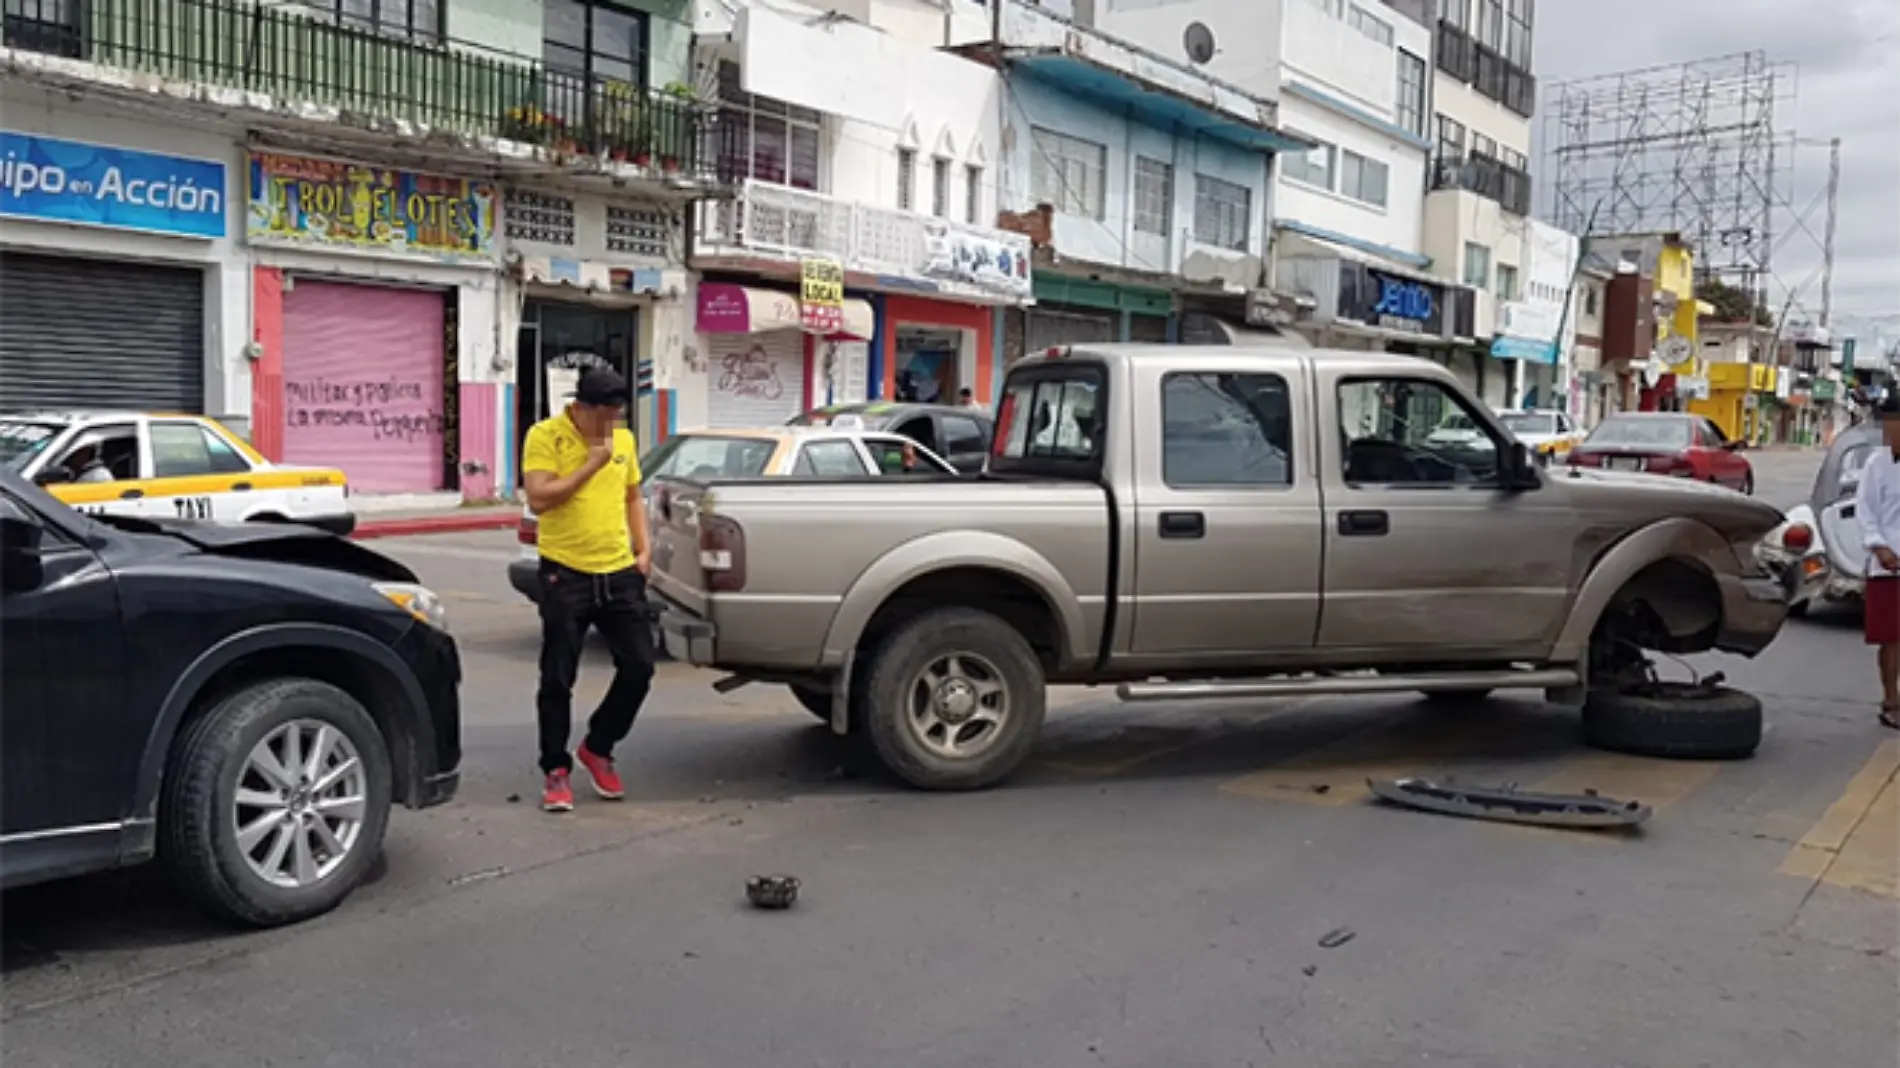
[1362,179]
[772,141]
[1069,173]
[406,20]
[940,188]
[640,231]
[972,193]
[1154,195]
[906,178]
[1222,213]
[541,217]
[1412,92]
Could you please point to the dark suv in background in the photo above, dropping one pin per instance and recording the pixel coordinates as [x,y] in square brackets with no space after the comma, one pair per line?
[243,701]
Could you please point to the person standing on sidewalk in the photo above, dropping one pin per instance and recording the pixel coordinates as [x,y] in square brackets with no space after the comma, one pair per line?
[583,480]
[1877,507]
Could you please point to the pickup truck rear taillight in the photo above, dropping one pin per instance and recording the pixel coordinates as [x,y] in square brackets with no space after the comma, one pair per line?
[722,553]
[528,530]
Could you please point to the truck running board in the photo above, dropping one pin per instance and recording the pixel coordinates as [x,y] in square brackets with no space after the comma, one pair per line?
[1343,685]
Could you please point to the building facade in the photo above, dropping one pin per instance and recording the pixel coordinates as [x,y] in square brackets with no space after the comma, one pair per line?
[865,154]
[1478,202]
[333,260]
[1536,330]
[1144,185]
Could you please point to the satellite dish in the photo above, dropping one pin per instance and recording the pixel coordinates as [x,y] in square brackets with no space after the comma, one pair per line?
[1199,41]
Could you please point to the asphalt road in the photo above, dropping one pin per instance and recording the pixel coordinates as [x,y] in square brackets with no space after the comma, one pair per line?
[1152,892]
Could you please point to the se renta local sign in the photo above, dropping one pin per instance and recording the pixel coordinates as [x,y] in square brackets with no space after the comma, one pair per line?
[46,179]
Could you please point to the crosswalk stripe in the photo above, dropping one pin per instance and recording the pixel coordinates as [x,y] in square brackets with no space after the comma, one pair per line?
[1856,842]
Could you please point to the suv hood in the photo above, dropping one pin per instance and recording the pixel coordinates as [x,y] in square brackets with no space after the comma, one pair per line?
[1644,498]
[284,543]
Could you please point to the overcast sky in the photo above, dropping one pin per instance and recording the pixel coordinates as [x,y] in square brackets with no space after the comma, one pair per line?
[1848,52]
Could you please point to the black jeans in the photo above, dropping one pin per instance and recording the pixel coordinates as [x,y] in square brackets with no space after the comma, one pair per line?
[616,605]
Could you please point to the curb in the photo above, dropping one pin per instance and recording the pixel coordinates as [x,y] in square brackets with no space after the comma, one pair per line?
[432,524]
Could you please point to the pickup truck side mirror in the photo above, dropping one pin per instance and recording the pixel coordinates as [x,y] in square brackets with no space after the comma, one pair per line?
[1520,471]
[20,532]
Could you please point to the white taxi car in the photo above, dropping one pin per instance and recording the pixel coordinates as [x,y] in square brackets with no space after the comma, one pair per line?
[1548,434]
[837,451]
[167,466]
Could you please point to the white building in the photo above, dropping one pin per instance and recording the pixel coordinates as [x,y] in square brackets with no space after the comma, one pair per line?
[1537,329]
[856,142]
[1483,94]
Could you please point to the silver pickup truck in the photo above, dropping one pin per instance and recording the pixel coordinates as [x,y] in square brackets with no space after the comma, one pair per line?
[1218,522]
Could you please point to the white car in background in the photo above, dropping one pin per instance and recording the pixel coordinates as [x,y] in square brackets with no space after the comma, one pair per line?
[1549,434]
[847,451]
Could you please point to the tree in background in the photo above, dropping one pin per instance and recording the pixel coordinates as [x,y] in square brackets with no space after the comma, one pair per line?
[1732,304]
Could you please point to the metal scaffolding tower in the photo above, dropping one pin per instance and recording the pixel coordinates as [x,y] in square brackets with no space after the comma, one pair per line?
[1690,148]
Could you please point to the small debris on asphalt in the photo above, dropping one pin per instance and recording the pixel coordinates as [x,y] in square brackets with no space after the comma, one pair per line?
[1311,969]
[1337,937]
[690,955]
[707,799]
[514,799]
[772,891]
[734,821]
[1320,788]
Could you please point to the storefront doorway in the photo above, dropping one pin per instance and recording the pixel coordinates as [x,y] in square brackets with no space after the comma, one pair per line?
[370,384]
[556,342]
[929,362]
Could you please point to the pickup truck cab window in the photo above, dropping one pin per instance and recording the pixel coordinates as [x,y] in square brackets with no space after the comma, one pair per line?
[1404,431]
[1226,430]
[1052,416]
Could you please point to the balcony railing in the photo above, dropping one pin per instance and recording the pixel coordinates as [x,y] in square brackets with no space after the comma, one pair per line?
[294,56]
[1485,176]
[786,223]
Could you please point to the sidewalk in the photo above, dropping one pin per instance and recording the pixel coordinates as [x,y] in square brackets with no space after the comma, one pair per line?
[437,521]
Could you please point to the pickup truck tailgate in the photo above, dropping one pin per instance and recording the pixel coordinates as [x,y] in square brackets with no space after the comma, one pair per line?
[673,517]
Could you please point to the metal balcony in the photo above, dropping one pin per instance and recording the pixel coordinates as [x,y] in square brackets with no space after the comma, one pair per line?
[782,223]
[290,60]
[1485,176]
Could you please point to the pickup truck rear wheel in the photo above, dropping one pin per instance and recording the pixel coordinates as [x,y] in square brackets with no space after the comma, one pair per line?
[1674,720]
[275,801]
[954,700]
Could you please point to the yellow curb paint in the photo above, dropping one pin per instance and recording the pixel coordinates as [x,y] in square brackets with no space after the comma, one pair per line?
[1856,843]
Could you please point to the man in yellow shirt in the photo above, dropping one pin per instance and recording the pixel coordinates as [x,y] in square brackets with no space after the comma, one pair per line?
[582,477]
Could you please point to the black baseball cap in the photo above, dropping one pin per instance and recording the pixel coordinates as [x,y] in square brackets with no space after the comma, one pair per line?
[601,387]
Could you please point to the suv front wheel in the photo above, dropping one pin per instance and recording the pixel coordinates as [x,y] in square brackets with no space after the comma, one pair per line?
[275,801]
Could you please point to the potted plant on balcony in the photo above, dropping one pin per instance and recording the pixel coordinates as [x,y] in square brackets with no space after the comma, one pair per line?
[622,116]
[688,101]
[526,122]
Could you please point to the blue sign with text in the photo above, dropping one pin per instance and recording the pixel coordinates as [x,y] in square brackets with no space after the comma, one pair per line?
[50,180]
[1397,303]
[1521,348]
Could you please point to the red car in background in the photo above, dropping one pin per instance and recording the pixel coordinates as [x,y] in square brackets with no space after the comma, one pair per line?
[1666,443]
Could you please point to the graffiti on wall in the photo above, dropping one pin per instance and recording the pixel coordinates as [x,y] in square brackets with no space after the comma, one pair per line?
[751,373]
[387,409]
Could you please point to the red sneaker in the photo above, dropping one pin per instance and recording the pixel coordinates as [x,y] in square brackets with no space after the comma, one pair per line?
[601,771]
[557,795]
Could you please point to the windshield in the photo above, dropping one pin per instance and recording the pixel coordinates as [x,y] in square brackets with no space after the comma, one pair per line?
[1655,433]
[21,440]
[702,456]
[1522,423]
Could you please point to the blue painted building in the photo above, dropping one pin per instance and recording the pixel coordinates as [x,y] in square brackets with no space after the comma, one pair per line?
[1145,185]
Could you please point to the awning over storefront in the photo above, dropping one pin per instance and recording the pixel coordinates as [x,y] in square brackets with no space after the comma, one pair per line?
[1300,239]
[725,308]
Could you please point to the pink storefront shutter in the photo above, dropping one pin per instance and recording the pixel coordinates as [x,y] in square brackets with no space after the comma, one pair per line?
[363,372]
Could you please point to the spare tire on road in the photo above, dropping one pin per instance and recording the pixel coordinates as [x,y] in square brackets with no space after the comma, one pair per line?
[1674,720]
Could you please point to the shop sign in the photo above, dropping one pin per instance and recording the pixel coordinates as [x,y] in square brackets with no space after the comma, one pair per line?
[47,179]
[1523,348]
[1395,303]
[351,205]
[994,261]
[820,295]
[1825,390]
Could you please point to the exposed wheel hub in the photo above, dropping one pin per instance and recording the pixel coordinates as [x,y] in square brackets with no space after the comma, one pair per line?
[955,701]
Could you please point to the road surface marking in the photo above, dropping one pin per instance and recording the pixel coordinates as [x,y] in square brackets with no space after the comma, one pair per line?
[1335,774]
[1856,843]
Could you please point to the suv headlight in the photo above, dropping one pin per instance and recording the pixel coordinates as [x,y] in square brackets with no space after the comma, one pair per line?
[418,601]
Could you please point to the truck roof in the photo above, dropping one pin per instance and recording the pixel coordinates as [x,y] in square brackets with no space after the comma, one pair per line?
[1199,356]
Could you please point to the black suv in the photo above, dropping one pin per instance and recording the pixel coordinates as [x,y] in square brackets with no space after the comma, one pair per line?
[243,701]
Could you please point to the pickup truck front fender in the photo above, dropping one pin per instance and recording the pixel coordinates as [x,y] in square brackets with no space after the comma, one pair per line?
[947,551]
[1679,538]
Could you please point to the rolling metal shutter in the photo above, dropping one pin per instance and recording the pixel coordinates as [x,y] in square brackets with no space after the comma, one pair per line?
[1049,327]
[80,333]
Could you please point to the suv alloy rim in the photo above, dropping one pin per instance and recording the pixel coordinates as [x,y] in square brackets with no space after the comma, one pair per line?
[957,705]
[300,802]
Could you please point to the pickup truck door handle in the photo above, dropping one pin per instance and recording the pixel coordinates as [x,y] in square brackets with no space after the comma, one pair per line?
[1183,524]
[1364,524]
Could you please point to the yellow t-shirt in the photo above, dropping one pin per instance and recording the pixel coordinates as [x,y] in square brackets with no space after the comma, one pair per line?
[589,532]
